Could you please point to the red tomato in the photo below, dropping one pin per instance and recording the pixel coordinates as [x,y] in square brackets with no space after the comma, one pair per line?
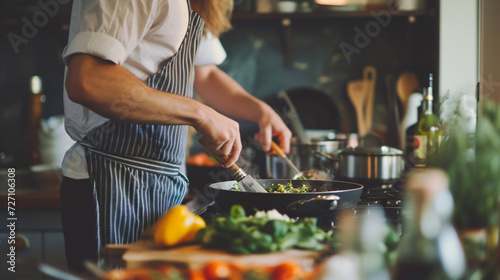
[198,159]
[202,159]
[286,271]
[196,275]
[216,270]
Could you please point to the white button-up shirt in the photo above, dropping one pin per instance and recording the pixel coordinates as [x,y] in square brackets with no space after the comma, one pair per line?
[139,35]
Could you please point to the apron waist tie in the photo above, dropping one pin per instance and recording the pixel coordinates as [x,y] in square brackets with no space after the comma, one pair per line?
[151,165]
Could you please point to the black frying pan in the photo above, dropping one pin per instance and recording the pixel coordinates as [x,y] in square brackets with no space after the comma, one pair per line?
[333,196]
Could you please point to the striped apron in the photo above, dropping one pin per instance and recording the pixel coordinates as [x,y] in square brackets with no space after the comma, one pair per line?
[134,168]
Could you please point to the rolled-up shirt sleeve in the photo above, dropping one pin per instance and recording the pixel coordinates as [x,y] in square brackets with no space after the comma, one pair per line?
[211,51]
[111,29]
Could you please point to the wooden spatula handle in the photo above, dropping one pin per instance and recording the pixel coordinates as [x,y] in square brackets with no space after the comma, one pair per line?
[221,159]
[277,149]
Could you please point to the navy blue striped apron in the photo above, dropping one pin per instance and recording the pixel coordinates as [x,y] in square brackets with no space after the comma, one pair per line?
[134,168]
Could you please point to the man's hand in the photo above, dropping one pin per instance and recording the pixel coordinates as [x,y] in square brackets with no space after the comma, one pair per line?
[221,135]
[270,126]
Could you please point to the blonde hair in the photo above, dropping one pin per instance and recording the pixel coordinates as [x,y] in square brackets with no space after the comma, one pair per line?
[216,13]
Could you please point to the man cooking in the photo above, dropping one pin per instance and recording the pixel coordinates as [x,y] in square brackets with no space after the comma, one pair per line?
[129,83]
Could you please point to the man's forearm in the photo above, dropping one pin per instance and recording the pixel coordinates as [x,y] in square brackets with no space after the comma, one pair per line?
[113,92]
[225,95]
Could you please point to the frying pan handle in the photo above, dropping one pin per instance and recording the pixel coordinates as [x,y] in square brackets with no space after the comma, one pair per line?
[323,202]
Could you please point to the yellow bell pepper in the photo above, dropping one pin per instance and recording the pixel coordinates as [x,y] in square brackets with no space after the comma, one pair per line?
[177,226]
[198,224]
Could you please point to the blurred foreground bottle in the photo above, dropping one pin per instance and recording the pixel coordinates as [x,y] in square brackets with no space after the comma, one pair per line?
[370,238]
[430,248]
[363,249]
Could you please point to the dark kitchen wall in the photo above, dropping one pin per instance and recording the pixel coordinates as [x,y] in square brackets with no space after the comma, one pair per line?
[32,36]
[41,56]
[255,59]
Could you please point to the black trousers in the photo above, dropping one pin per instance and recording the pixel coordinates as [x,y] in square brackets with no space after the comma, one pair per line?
[79,222]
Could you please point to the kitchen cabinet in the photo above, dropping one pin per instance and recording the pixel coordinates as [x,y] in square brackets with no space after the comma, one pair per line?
[241,16]
[13,11]
[382,16]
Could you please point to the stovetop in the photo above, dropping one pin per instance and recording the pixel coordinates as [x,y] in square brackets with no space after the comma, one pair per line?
[387,197]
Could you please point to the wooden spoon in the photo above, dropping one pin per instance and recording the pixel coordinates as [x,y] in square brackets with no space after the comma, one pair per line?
[361,94]
[406,84]
[311,174]
[357,95]
[369,78]
[282,155]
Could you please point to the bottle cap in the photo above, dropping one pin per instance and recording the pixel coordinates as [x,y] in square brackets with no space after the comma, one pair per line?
[427,92]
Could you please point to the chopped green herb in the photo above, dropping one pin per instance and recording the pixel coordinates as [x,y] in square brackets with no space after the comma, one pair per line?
[283,188]
[262,233]
[235,188]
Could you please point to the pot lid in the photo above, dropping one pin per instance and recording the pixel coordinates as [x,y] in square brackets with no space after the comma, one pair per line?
[314,143]
[372,151]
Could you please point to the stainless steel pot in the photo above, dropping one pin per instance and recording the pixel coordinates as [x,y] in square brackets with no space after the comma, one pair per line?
[367,165]
[318,155]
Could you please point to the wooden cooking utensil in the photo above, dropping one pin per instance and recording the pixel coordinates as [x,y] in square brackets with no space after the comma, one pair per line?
[395,114]
[369,79]
[361,93]
[282,155]
[311,174]
[406,84]
[357,97]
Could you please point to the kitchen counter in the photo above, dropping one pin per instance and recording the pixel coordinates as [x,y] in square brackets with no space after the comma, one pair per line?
[33,189]
[46,197]
[37,190]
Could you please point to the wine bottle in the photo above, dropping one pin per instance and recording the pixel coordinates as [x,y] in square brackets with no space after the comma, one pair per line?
[429,133]
[36,99]
[411,131]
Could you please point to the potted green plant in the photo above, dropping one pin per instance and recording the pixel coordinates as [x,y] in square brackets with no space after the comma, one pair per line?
[472,162]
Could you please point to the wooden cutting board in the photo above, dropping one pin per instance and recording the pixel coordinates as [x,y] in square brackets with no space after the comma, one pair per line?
[146,253]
